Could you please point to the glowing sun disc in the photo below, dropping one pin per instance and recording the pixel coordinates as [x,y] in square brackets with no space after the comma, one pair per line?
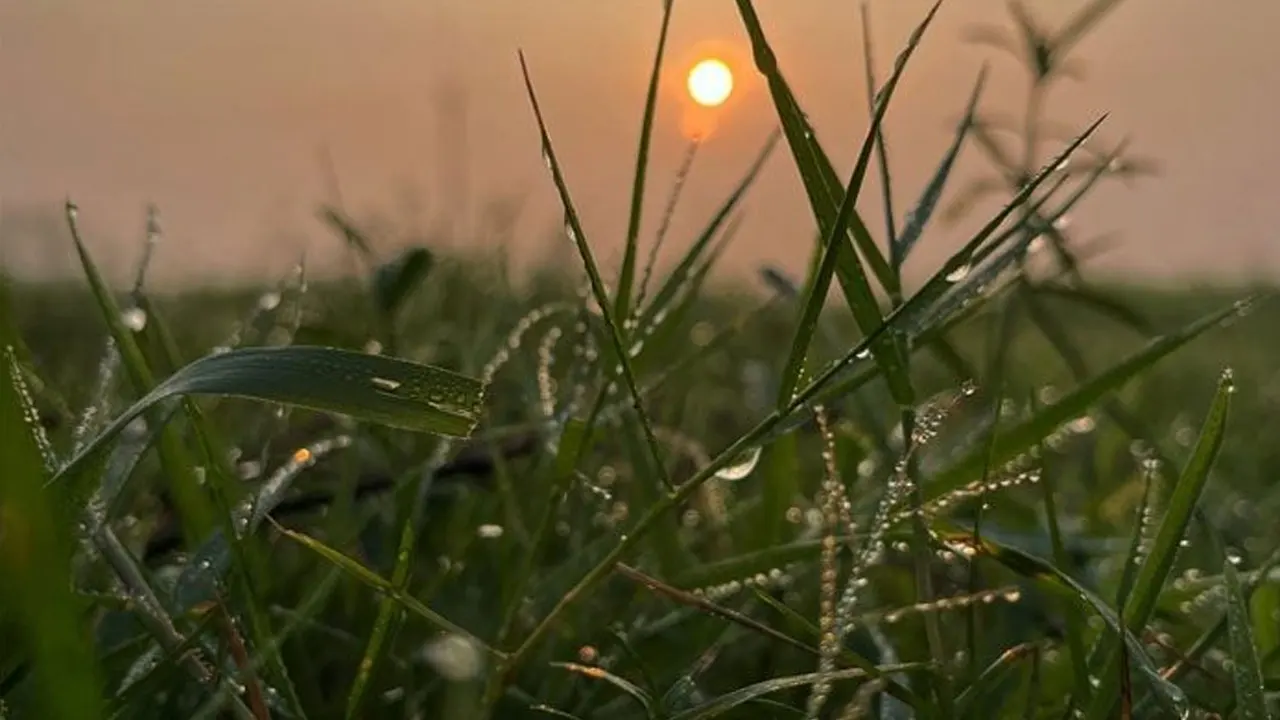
[710,82]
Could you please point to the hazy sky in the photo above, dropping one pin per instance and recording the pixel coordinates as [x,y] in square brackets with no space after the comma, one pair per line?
[218,112]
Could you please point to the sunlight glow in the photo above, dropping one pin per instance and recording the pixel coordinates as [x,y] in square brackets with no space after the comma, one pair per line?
[710,82]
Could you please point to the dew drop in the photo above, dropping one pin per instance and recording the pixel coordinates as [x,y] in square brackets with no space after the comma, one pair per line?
[863,354]
[385,384]
[269,301]
[958,274]
[741,466]
[134,318]
[490,531]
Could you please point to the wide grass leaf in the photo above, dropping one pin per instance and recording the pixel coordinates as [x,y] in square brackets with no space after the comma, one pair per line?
[375,388]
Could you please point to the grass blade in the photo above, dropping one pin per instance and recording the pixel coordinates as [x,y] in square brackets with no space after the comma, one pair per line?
[36,551]
[1018,439]
[376,388]
[676,281]
[816,171]
[574,229]
[1251,702]
[1033,568]
[382,586]
[1173,526]
[626,274]
[858,292]
[632,690]
[919,216]
[730,700]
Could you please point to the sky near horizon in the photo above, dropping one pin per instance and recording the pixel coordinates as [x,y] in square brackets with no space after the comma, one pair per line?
[221,113]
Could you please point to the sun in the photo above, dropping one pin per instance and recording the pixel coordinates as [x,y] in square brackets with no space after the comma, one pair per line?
[710,82]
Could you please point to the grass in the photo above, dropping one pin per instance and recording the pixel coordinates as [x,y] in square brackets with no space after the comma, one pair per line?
[435,490]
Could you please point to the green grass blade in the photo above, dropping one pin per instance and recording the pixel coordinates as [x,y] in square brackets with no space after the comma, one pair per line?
[1044,573]
[573,227]
[969,703]
[1246,674]
[193,507]
[383,586]
[919,215]
[629,688]
[730,700]
[1173,526]
[862,301]
[626,274]
[675,282]
[375,388]
[821,184]
[882,147]
[1020,438]
[35,555]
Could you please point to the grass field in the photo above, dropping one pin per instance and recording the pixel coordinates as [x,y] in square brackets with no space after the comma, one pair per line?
[438,490]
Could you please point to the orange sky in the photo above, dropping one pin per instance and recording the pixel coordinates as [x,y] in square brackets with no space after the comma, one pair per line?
[217,112]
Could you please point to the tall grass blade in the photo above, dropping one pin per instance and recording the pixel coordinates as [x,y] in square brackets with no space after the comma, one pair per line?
[862,301]
[573,227]
[35,555]
[1044,573]
[918,217]
[626,274]
[670,289]
[821,184]
[1246,673]
[195,512]
[1020,438]
[1151,578]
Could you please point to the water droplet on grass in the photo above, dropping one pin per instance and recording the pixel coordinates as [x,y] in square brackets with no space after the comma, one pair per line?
[741,466]
[958,274]
[385,384]
[269,301]
[134,318]
[490,531]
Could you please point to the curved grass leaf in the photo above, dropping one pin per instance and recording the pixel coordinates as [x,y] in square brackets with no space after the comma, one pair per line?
[741,696]
[1251,702]
[375,388]
[1173,527]
[626,274]
[631,689]
[1044,573]
[1020,438]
